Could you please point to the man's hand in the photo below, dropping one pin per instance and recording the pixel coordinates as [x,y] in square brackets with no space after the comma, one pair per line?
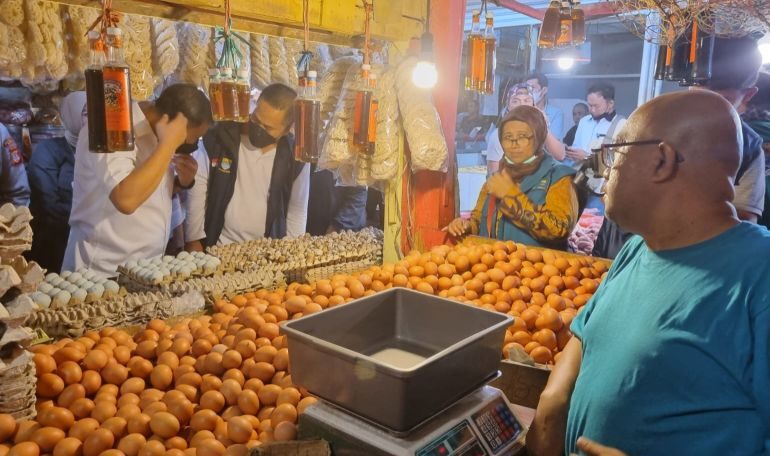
[172,133]
[186,168]
[500,185]
[592,448]
[577,154]
[458,227]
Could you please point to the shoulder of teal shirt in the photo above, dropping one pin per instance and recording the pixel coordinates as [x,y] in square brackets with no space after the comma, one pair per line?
[630,250]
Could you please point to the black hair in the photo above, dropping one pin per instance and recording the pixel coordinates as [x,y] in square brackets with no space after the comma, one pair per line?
[581,104]
[187,99]
[541,78]
[604,89]
[735,63]
[281,97]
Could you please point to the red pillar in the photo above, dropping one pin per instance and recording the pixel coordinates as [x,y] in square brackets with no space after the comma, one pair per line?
[433,204]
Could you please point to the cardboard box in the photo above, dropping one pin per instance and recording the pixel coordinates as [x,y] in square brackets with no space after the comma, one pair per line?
[522,383]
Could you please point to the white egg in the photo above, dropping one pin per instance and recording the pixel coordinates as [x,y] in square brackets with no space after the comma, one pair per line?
[74,277]
[44,287]
[65,274]
[62,298]
[112,286]
[143,262]
[96,291]
[41,299]
[53,291]
[50,276]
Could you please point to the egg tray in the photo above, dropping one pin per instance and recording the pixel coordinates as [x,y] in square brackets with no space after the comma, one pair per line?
[132,285]
[131,309]
[316,274]
[166,270]
[69,288]
[15,232]
[230,284]
[18,388]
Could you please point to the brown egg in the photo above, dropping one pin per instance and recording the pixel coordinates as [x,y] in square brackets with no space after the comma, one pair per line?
[281,360]
[146,349]
[210,448]
[231,389]
[128,410]
[264,415]
[283,412]
[204,420]
[231,359]
[70,394]
[239,429]
[164,424]
[103,411]
[82,428]
[68,447]
[295,304]
[182,410]
[162,377]
[149,396]
[47,437]
[82,408]
[112,452]
[263,371]
[114,373]
[98,441]
[177,443]
[131,444]
[155,408]
[249,402]
[200,437]
[153,448]
[8,427]
[44,364]
[189,391]
[194,379]
[289,396]
[269,330]
[238,449]
[234,374]
[305,403]
[181,347]
[285,431]
[132,385]
[25,449]
[212,400]
[269,394]
[139,424]
[210,383]
[213,364]
[117,425]
[201,347]
[68,354]
[58,417]
[49,385]
[25,431]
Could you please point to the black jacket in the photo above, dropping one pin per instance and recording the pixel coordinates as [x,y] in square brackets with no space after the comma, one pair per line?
[222,144]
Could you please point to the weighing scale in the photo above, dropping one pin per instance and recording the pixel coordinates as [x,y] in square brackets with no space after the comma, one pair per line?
[480,424]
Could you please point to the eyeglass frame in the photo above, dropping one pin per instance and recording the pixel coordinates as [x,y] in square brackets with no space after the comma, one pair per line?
[518,139]
[605,148]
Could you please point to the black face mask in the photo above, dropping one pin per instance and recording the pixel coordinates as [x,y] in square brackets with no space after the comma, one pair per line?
[259,137]
[607,115]
[187,149]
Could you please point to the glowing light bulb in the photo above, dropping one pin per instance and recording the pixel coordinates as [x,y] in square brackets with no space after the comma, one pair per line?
[764,49]
[565,63]
[425,75]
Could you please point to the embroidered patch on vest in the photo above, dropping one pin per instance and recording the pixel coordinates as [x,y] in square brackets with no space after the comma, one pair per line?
[226,162]
[215,163]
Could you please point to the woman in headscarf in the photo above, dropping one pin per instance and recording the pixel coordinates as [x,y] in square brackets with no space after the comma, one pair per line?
[531,199]
[519,95]
[50,179]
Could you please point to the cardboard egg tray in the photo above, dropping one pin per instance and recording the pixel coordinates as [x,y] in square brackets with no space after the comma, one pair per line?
[15,231]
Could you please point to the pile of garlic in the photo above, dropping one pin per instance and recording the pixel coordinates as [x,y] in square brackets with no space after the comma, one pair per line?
[167,269]
[73,288]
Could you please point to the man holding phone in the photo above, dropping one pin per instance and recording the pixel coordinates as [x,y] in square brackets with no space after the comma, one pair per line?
[122,201]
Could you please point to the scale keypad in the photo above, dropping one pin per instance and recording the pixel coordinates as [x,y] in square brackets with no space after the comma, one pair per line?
[497,424]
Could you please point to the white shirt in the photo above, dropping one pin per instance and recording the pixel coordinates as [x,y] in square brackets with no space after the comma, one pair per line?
[590,133]
[246,212]
[101,238]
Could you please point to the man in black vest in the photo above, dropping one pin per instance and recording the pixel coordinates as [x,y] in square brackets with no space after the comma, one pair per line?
[248,184]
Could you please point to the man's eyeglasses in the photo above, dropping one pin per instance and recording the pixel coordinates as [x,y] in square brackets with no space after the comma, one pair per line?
[521,141]
[609,151]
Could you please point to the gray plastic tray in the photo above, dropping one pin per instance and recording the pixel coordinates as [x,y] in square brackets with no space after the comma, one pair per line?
[330,355]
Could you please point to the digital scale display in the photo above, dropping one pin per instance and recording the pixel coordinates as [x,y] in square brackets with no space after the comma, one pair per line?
[460,440]
[497,425]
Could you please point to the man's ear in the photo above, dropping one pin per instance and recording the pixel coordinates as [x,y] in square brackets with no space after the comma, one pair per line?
[665,163]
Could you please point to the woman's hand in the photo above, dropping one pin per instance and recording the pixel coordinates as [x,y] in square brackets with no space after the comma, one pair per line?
[576,154]
[500,185]
[458,227]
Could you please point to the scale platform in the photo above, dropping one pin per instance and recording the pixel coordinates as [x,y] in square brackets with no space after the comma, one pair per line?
[480,424]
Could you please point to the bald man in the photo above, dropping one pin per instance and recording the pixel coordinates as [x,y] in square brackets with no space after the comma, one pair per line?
[672,354]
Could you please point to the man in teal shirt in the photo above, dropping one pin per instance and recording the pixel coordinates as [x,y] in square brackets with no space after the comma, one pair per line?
[672,354]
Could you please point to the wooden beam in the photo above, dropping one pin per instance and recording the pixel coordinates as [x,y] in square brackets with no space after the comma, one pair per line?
[526,10]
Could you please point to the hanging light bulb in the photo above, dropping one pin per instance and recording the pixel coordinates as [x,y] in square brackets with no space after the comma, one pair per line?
[425,75]
[565,63]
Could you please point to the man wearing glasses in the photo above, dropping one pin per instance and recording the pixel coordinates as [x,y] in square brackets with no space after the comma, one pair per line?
[248,184]
[672,354]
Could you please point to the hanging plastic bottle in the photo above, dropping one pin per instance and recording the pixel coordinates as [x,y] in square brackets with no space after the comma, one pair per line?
[215,94]
[550,29]
[117,95]
[97,129]
[660,63]
[243,88]
[578,24]
[680,58]
[361,112]
[372,128]
[490,58]
[565,25]
[701,55]
[469,58]
[229,95]
[479,67]
[307,120]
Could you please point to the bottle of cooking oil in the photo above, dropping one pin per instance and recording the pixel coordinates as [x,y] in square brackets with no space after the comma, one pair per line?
[117,95]
[550,29]
[490,58]
[243,88]
[373,108]
[565,25]
[474,36]
[215,94]
[578,23]
[229,95]
[361,111]
[97,131]
[701,55]
[307,120]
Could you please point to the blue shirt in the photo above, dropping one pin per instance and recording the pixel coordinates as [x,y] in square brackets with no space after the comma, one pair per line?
[555,120]
[675,350]
[51,171]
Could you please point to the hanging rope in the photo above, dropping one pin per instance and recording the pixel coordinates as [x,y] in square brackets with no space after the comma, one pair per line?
[108,18]
[303,64]
[231,55]
[368,7]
